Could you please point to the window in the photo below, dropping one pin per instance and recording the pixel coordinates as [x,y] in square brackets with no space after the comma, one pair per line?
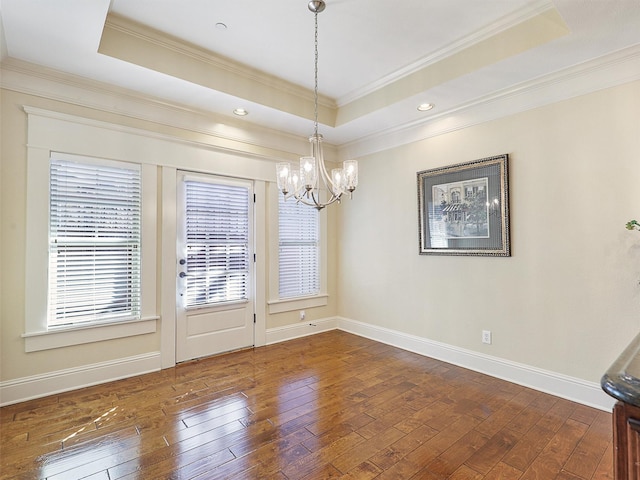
[217,243]
[298,252]
[299,238]
[56,138]
[94,242]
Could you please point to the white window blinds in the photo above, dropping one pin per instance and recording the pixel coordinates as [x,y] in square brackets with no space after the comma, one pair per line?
[94,242]
[299,237]
[217,238]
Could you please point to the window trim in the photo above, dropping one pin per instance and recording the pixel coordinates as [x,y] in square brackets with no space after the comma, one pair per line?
[38,335]
[87,333]
[297,303]
[275,304]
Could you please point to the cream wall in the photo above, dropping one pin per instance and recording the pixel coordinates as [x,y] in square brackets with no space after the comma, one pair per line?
[16,365]
[567,299]
[564,302]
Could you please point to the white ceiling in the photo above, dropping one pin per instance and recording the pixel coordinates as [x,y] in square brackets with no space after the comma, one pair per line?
[368,53]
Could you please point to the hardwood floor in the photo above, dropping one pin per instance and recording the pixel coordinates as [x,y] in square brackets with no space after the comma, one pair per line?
[333,405]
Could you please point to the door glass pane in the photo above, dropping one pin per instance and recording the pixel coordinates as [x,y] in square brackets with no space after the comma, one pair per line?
[217,242]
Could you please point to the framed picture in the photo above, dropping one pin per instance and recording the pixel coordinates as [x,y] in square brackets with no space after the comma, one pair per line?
[464,209]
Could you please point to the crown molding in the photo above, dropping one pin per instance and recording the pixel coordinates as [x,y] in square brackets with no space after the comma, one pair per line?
[137,44]
[500,25]
[507,43]
[605,72]
[210,129]
[160,39]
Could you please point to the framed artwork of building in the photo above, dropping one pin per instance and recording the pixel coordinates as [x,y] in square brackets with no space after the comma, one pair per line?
[463,209]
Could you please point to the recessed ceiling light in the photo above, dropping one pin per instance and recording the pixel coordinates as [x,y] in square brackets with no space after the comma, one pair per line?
[241,112]
[221,26]
[424,107]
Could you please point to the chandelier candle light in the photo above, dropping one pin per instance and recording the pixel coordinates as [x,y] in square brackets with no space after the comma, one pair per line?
[305,184]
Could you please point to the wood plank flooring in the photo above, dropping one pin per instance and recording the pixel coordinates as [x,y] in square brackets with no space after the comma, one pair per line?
[333,405]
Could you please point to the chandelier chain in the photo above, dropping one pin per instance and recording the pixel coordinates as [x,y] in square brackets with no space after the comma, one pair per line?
[315,89]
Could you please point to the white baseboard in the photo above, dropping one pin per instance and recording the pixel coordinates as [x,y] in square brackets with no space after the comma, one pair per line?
[570,388]
[302,329]
[27,388]
[577,390]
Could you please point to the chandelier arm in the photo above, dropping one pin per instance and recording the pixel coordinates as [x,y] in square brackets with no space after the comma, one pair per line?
[294,194]
[320,205]
[333,199]
[311,203]
[304,196]
[326,179]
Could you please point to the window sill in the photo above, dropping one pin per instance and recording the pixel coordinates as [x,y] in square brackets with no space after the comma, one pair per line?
[292,304]
[65,337]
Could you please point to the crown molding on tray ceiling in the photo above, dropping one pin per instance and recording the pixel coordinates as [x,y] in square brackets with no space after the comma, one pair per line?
[140,45]
[605,72]
[608,71]
[500,25]
[134,43]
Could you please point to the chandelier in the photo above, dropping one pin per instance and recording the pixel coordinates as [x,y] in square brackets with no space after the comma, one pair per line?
[306,183]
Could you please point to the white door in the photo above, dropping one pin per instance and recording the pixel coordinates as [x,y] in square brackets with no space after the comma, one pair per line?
[215,309]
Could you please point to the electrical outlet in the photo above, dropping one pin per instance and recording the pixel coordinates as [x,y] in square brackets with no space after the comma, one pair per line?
[486,336]
[302,315]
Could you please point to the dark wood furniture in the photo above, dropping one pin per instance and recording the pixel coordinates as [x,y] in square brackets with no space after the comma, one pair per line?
[622,382]
[626,432]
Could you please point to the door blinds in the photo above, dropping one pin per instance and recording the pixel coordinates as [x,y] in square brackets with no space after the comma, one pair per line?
[217,238]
